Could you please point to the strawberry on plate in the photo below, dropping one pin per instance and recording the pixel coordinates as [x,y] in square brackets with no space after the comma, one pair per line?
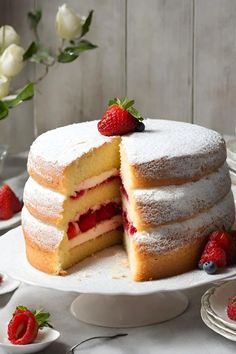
[231,308]
[213,253]
[120,118]
[225,241]
[24,325]
[9,203]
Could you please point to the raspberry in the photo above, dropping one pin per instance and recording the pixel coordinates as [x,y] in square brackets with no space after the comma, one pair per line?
[231,308]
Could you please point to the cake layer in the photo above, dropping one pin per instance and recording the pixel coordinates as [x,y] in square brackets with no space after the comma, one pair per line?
[150,207]
[38,232]
[172,236]
[170,152]
[63,158]
[55,208]
[55,261]
[176,248]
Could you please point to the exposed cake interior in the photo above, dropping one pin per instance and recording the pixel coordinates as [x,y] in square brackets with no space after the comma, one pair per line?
[85,189]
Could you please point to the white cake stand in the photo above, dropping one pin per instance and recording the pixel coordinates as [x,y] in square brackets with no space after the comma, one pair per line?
[108,296]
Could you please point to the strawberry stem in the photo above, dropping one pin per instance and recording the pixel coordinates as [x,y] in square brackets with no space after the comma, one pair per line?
[127,104]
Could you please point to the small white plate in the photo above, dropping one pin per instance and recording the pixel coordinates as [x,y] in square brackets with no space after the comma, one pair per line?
[215,328]
[218,302]
[6,224]
[8,284]
[45,337]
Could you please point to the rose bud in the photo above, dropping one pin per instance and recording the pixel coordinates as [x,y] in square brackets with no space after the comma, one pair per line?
[8,36]
[11,61]
[68,23]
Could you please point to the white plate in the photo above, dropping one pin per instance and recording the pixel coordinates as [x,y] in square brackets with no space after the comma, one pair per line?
[45,337]
[6,224]
[218,302]
[104,273]
[8,284]
[215,328]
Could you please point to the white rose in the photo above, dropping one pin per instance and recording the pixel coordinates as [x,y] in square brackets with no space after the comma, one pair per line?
[4,86]
[8,36]
[11,61]
[68,23]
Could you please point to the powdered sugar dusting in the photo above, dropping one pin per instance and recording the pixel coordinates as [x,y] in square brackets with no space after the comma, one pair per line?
[174,149]
[170,203]
[172,236]
[59,147]
[48,201]
[46,236]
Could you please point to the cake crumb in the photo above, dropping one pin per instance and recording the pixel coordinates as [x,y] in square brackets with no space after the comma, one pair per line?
[117,274]
[124,262]
[63,273]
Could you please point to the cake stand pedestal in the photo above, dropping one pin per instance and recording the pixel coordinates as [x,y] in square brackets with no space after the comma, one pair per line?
[108,296]
[123,311]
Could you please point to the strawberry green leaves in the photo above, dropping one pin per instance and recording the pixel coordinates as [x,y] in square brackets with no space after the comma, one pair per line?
[128,105]
[41,317]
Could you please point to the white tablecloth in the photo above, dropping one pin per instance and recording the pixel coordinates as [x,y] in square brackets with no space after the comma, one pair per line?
[184,334]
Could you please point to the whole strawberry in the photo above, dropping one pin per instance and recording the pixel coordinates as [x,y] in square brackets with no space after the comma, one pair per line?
[120,118]
[9,203]
[224,240]
[231,308]
[24,325]
[213,253]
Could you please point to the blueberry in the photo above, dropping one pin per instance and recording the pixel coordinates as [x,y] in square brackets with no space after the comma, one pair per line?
[210,267]
[140,127]
[200,266]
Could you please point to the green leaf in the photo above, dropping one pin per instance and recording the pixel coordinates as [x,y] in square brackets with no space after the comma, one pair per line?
[25,94]
[64,57]
[32,49]
[3,110]
[135,113]
[69,54]
[42,318]
[34,18]
[87,23]
[22,308]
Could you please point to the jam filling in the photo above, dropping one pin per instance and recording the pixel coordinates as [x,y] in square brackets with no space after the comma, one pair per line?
[128,226]
[79,194]
[91,218]
[123,191]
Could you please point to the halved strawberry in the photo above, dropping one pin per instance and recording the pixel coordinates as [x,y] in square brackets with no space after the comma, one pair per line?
[87,221]
[73,230]
[120,118]
[222,238]
[24,325]
[107,211]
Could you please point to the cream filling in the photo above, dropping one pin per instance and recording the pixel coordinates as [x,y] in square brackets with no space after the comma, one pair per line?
[99,229]
[93,181]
